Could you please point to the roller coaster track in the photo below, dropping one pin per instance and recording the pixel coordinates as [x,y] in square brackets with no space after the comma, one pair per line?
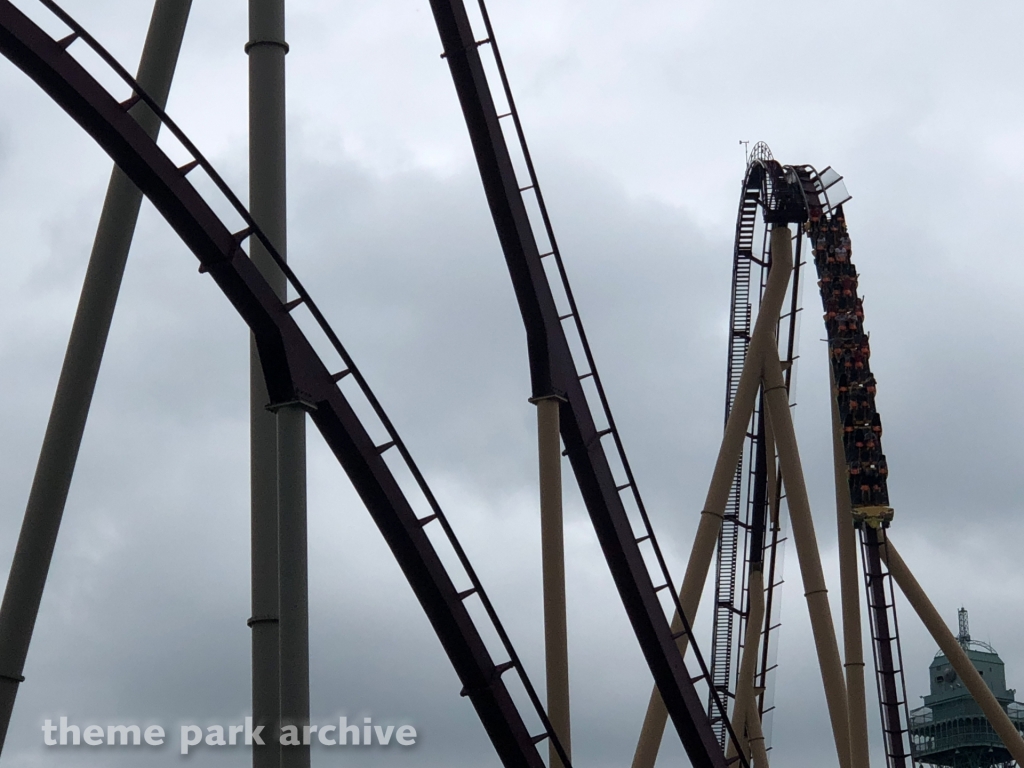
[815,200]
[294,372]
[546,301]
[849,352]
[748,509]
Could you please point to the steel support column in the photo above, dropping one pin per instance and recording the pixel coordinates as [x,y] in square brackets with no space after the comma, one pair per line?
[77,381]
[815,590]
[755,734]
[746,714]
[849,584]
[745,708]
[280,620]
[293,542]
[762,338]
[556,646]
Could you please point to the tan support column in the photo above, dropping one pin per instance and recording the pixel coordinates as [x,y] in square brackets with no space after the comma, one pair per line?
[556,648]
[826,646]
[756,735]
[997,717]
[743,711]
[849,584]
[706,540]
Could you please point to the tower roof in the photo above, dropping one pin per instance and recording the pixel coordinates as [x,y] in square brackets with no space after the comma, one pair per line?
[946,685]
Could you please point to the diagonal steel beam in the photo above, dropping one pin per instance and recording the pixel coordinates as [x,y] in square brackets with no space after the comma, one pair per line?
[63,438]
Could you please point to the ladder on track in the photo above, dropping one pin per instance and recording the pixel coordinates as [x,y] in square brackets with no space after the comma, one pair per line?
[734,553]
[724,608]
[724,616]
[885,646]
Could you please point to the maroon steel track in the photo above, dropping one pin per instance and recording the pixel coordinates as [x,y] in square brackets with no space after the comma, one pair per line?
[293,370]
[849,349]
[554,373]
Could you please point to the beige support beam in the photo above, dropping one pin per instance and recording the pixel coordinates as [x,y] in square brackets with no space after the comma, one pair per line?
[826,646]
[556,648]
[849,583]
[745,709]
[756,736]
[930,617]
[706,540]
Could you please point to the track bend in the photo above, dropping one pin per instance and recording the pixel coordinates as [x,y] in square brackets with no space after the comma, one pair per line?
[545,305]
[751,533]
[801,194]
[293,370]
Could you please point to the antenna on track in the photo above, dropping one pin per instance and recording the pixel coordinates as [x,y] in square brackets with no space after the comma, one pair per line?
[746,154]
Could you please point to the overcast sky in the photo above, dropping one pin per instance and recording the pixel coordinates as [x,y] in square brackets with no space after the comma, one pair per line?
[634,112]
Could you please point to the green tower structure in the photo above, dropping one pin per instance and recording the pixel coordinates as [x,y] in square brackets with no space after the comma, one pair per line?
[950,729]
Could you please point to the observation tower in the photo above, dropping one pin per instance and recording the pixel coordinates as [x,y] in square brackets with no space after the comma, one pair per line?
[950,729]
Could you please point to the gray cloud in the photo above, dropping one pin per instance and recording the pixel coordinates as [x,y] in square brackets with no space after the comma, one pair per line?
[633,113]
